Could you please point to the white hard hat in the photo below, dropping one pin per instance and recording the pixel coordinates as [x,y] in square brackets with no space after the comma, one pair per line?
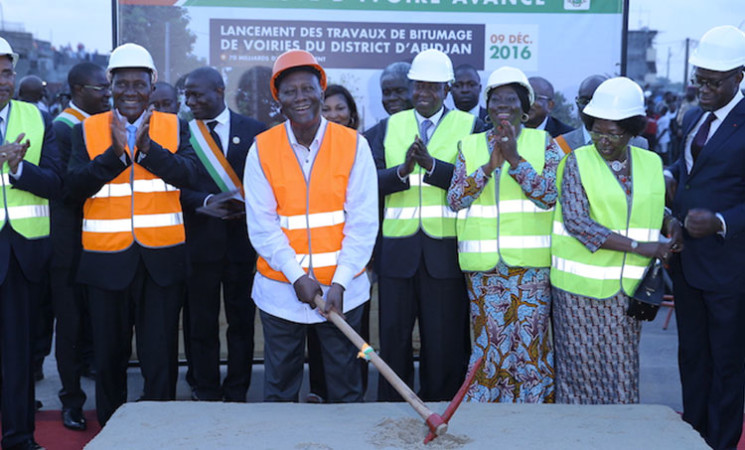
[720,49]
[508,75]
[6,49]
[616,99]
[131,56]
[433,66]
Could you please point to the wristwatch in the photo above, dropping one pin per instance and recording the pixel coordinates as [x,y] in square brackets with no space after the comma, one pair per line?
[634,245]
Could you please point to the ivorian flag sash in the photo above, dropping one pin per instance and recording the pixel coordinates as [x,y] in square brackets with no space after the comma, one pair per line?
[213,159]
[71,117]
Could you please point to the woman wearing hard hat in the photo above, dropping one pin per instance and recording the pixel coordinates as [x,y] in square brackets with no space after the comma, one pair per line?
[606,230]
[504,190]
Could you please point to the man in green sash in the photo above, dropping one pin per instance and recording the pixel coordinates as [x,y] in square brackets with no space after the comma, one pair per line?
[29,172]
[219,249]
[419,273]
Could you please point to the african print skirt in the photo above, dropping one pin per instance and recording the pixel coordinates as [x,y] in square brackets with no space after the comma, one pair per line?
[510,317]
[597,350]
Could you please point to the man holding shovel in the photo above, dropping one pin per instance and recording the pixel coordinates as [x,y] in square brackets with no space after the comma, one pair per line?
[311,204]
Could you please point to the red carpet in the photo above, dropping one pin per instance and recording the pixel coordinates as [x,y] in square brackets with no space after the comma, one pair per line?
[51,434]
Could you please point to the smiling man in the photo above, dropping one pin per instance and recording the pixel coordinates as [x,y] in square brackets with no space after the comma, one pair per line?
[708,277]
[128,164]
[312,216]
[220,253]
[30,167]
[419,273]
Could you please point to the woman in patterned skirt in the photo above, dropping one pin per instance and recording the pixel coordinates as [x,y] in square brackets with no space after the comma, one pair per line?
[504,190]
[606,231]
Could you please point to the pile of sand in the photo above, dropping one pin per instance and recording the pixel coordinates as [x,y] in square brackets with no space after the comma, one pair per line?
[409,433]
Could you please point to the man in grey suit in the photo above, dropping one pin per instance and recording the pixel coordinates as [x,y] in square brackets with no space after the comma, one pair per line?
[581,136]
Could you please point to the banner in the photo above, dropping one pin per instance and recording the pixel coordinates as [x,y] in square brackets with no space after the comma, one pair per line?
[563,41]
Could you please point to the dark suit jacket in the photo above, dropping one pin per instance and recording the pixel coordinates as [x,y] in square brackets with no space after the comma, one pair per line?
[66,212]
[716,183]
[43,181]
[556,127]
[400,257]
[115,271]
[208,238]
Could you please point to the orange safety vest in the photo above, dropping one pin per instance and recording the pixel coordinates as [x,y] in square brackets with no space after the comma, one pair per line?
[311,213]
[136,205]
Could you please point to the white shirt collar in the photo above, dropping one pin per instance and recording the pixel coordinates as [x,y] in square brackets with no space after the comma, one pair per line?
[435,118]
[135,123]
[475,110]
[542,126]
[4,115]
[586,135]
[317,139]
[223,118]
[722,112]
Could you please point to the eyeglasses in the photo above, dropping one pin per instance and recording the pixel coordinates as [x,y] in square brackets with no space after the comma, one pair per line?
[712,84]
[98,88]
[7,74]
[613,138]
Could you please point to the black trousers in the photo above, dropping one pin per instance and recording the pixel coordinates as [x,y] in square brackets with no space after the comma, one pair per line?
[17,322]
[441,306]
[203,309]
[153,310]
[316,373]
[711,358]
[72,339]
[284,355]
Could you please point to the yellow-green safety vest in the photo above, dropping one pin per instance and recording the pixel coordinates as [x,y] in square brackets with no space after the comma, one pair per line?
[603,274]
[27,213]
[514,228]
[422,205]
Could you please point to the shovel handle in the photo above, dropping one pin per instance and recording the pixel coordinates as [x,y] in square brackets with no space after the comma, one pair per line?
[384,369]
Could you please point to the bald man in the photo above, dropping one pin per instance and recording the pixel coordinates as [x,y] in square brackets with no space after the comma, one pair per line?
[33,89]
[220,253]
[539,116]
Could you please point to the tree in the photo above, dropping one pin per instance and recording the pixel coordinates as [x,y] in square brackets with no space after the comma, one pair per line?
[146,25]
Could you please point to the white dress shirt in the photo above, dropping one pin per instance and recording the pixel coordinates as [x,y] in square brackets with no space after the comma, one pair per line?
[4,127]
[721,114]
[360,229]
[222,129]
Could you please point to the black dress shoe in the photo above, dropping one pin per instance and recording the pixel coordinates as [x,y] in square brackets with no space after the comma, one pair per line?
[73,419]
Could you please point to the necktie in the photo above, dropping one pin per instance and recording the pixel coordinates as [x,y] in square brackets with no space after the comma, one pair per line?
[131,132]
[423,130]
[212,124]
[701,135]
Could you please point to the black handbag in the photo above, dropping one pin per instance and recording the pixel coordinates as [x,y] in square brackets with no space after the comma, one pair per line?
[645,302]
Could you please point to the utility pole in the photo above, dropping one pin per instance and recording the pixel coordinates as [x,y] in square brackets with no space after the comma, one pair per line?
[685,63]
[669,54]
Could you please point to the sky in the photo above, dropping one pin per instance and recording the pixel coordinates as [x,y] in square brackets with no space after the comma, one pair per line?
[89,21]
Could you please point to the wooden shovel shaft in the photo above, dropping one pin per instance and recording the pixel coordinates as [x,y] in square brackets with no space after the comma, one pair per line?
[385,370]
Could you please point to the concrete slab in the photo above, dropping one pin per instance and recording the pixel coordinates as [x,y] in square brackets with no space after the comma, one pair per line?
[393,425]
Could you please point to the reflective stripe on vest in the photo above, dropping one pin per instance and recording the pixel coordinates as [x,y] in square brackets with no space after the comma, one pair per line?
[136,204]
[422,205]
[311,213]
[515,229]
[604,273]
[27,213]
